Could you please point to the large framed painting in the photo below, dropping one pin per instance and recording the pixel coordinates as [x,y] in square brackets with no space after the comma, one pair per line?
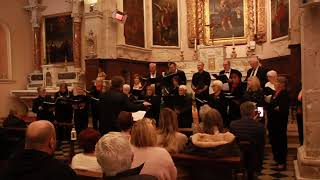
[58,34]
[134,26]
[280,19]
[226,21]
[165,22]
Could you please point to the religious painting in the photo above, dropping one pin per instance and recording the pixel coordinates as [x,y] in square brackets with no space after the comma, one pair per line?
[165,22]
[134,26]
[58,39]
[279,19]
[226,21]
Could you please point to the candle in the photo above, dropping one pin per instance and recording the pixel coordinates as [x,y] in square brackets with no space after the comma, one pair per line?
[233,40]
[195,44]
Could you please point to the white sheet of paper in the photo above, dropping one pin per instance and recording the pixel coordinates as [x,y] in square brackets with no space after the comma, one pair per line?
[138,115]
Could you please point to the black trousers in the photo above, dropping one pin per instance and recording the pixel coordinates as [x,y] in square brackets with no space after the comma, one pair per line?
[300,127]
[81,120]
[277,128]
[95,118]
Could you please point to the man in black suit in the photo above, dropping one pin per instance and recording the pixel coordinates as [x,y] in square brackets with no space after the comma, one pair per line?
[257,70]
[173,70]
[112,103]
[153,77]
[227,70]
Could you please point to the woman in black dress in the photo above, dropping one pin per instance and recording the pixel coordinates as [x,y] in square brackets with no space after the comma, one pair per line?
[278,121]
[218,101]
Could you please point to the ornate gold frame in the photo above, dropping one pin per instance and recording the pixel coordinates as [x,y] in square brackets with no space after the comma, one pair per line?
[248,25]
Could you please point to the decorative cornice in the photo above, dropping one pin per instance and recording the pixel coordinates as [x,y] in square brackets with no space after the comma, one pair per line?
[133,52]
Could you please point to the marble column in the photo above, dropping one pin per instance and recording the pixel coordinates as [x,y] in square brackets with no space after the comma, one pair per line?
[77,42]
[307,165]
[35,8]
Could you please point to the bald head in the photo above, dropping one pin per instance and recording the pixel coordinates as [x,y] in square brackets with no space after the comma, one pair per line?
[41,136]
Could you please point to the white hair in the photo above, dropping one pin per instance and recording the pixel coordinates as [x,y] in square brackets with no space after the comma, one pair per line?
[184,87]
[272,73]
[114,153]
[217,83]
[126,86]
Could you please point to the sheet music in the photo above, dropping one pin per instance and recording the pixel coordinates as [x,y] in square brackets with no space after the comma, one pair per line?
[138,115]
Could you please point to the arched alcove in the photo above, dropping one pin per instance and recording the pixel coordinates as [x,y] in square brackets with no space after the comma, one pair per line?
[5,53]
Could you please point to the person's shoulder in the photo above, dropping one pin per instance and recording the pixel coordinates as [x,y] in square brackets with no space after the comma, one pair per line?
[181,136]
[62,170]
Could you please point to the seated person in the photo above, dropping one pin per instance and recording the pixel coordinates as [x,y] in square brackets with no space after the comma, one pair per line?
[36,161]
[212,141]
[157,161]
[218,101]
[183,108]
[14,120]
[254,92]
[168,136]
[125,122]
[115,156]
[87,160]
[248,129]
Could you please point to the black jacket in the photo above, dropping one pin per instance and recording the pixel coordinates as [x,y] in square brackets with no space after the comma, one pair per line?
[46,113]
[37,165]
[110,105]
[261,75]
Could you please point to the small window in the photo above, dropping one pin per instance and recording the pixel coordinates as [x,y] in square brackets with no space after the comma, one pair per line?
[5,53]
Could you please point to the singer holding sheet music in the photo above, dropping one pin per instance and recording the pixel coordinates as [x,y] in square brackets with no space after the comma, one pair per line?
[43,105]
[64,111]
[200,85]
[153,77]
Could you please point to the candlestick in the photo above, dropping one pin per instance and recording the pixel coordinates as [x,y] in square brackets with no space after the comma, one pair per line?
[233,40]
[195,44]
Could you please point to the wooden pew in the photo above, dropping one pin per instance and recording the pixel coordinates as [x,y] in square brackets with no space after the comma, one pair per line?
[87,175]
[201,167]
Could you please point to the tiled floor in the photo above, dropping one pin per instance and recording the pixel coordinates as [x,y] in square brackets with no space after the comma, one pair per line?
[268,172]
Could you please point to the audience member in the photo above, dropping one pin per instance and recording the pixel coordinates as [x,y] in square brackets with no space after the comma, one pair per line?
[87,160]
[168,136]
[14,120]
[115,156]
[157,161]
[36,162]
[212,141]
[248,129]
[126,122]
[278,122]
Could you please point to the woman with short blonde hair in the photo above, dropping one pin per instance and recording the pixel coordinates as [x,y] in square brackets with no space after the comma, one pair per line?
[168,135]
[157,161]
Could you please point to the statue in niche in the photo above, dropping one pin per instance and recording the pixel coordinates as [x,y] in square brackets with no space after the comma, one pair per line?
[48,79]
[91,40]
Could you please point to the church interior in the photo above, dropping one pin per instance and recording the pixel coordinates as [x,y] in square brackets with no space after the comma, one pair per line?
[160,89]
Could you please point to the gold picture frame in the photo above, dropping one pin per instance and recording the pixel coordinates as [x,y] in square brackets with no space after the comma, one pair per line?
[248,26]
